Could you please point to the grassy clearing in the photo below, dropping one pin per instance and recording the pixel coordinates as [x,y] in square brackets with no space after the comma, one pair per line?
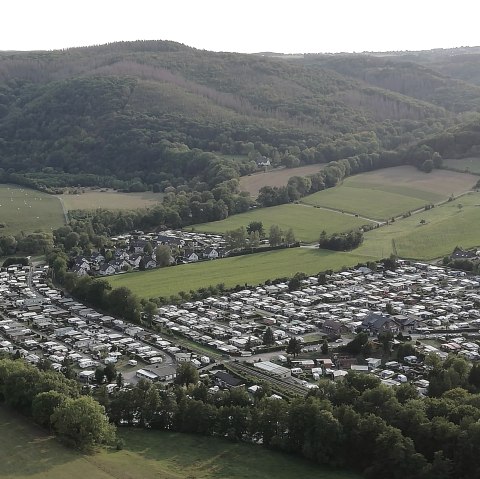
[376,204]
[278,177]
[390,192]
[306,222]
[26,452]
[446,227]
[250,269]
[466,165]
[27,210]
[111,200]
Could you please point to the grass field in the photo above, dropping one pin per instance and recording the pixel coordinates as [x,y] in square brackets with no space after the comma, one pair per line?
[467,165]
[111,200]
[27,453]
[27,210]
[446,226]
[277,177]
[307,222]
[251,269]
[389,192]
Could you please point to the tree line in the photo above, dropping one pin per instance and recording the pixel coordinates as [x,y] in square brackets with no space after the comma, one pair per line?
[55,403]
[358,423]
[340,241]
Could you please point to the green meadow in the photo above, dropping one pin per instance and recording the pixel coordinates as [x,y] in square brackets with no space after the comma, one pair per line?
[27,210]
[307,222]
[387,193]
[250,269]
[26,452]
[456,223]
[376,204]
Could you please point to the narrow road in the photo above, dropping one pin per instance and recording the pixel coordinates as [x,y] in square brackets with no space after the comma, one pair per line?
[65,212]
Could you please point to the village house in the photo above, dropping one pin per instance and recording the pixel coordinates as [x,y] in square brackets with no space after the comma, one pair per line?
[106,270]
[375,323]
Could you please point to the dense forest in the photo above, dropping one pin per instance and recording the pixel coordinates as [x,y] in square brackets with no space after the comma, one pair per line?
[154,114]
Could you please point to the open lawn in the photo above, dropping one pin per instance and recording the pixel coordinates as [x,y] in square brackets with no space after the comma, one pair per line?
[278,177]
[250,269]
[467,165]
[307,222]
[27,210]
[111,200]
[389,192]
[445,227]
[26,452]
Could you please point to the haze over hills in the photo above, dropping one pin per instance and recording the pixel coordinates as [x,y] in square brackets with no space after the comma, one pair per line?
[147,111]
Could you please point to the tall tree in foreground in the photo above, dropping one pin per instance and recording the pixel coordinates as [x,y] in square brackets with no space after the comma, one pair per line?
[82,423]
[186,374]
[256,226]
[294,347]
[290,237]
[268,338]
[162,255]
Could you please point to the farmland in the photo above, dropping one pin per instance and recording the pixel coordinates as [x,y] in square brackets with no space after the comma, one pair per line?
[249,269]
[307,222]
[445,227]
[26,452]
[389,192]
[470,165]
[112,200]
[277,177]
[27,210]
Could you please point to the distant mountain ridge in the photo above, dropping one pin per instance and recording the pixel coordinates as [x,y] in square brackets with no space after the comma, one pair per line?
[146,110]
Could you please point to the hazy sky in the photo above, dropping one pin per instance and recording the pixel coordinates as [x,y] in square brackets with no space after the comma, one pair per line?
[289,26]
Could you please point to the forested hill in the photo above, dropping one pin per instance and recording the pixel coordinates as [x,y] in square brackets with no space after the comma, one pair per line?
[420,81]
[160,112]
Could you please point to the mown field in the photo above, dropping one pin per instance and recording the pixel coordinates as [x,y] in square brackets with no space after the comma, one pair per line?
[307,222]
[389,192]
[111,200]
[277,177]
[445,227]
[250,269]
[27,453]
[27,210]
[469,165]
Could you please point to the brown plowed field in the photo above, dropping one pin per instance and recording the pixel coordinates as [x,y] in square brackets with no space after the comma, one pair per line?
[276,177]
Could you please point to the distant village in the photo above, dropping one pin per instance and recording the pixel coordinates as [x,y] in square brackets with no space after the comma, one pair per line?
[138,251]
